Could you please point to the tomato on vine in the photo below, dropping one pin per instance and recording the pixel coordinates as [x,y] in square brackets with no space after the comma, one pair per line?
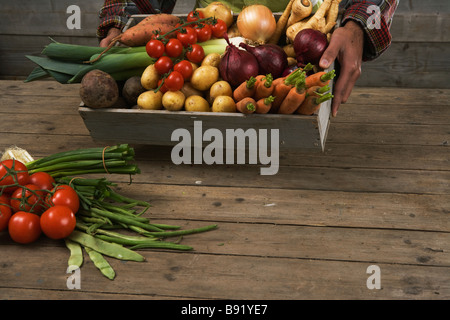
[64,195]
[185,68]
[174,81]
[204,32]
[155,48]
[195,53]
[219,28]
[187,36]
[163,65]
[13,172]
[29,198]
[43,180]
[174,48]
[194,15]
[58,222]
[24,227]
[5,211]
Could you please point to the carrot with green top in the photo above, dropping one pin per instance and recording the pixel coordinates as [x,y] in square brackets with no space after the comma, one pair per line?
[245,89]
[264,87]
[246,105]
[282,86]
[295,96]
[264,105]
[312,103]
[320,78]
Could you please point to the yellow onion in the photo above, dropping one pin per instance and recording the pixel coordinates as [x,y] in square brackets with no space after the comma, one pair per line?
[256,23]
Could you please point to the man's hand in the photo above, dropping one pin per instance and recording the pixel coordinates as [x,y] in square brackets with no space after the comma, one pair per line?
[112,33]
[346,45]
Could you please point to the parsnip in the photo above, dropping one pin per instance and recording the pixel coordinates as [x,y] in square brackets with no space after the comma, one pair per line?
[301,9]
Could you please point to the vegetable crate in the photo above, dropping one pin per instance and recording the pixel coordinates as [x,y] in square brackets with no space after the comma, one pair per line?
[150,127]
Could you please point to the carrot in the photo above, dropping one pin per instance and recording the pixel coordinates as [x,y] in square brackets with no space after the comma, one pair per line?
[281,24]
[245,89]
[246,105]
[300,10]
[295,96]
[264,105]
[312,103]
[282,88]
[264,87]
[320,78]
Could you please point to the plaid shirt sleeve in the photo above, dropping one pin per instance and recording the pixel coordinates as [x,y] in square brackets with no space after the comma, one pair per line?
[375,17]
[114,14]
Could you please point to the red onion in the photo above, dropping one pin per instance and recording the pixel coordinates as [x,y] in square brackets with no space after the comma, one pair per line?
[309,45]
[236,65]
[271,58]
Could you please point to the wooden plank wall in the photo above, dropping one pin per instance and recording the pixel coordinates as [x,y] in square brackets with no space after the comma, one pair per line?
[418,56]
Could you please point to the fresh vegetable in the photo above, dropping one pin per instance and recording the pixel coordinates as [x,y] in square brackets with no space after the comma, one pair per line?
[150,77]
[163,65]
[196,103]
[295,96]
[223,104]
[174,81]
[29,198]
[264,88]
[185,68]
[24,227]
[173,100]
[320,78]
[101,263]
[5,212]
[13,173]
[212,59]
[218,10]
[309,45]
[256,23]
[264,105]
[188,90]
[150,100]
[271,58]
[281,24]
[245,89]
[300,10]
[63,195]
[132,88]
[237,66]
[312,103]
[155,48]
[246,105]
[99,90]
[76,254]
[204,77]
[194,15]
[58,222]
[204,32]
[187,36]
[218,28]
[195,53]
[173,48]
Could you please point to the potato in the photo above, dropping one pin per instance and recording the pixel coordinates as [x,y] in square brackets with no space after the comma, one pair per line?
[150,100]
[220,88]
[212,59]
[196,103]
[98,89]
[204,77]
[132,89]
[224,104]
[188,90]
[173,100]
[150,78]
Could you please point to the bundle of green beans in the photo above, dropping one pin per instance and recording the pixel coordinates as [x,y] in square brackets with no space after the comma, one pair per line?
[110,224]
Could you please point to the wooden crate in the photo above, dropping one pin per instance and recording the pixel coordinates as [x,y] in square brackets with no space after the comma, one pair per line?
[123,125]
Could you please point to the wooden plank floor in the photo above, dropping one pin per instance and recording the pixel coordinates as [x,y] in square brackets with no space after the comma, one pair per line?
[378,195]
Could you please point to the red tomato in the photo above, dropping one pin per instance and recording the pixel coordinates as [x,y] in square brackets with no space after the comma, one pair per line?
[219,28]
[64,195]
[185,68]
[43,180]
[58,222]
[204,32]
[163,65]
[29,198]
[174,48]
[5,212]
[195,53]
[174,81]
[24,227]
[194,15]
[155,48]
[187,36]
[13,172]
[162,88]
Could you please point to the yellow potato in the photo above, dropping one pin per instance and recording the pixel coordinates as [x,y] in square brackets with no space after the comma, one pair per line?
[173,100]
[212,59]
[196,103]
[220,88]
[150,100]
[150,78]
[204,77]
[224,104]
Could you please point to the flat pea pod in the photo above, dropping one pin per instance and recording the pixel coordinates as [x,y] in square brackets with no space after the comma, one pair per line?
[107,248]
[76,255]
[101,263]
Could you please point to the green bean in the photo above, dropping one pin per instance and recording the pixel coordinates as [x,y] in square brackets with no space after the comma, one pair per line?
[127,239]
[162,245]
[125,219]
[101,263]
[164,234]
[76,255]
[110,249]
